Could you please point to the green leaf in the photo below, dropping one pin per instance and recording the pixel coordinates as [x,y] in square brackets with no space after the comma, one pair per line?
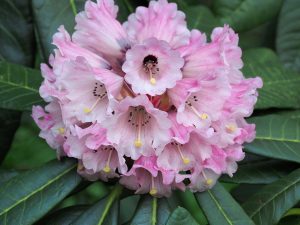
[267,206]
[64,216]
[220,208]
[201,18]
[276,137]
[181,216]
[17,42]
[240,13]
[288,34]
[6,175]
[126,7]
[105,211]
[9,123]
[49,15]
[280,88]
[19,87]
[30,195]
[262,172]
[151,211]
[28,150]
[128,207]
[188,201]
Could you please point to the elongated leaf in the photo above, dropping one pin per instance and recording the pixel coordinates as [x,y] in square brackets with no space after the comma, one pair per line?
[181,216]
[262,172]
[49,15]
[151,211]
[6,175]
[127,208]
[276,137]
[268,205]
[9,123]
[126,7]
[220,208]
[29,196]
[288,34]
[19,87]
[281,87]
[239,13]
[17,43]
[105,211]
[201,18]
[63,216]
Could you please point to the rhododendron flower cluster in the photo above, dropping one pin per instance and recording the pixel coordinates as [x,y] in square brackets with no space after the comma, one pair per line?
[147,101]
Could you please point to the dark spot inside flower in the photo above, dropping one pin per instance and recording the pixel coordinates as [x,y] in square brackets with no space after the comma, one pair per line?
[150,59]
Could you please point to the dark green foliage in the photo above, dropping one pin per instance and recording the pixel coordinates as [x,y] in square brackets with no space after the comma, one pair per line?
[35,190]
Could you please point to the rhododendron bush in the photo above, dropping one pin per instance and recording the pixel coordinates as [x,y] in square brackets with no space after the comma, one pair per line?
[149,112]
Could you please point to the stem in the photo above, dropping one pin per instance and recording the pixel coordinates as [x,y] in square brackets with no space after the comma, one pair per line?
[154,211]
[73,6]
[116,192]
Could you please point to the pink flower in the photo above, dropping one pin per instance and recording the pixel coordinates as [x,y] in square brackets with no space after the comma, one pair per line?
[138,127]
[152,67]
[148,102]
[146,177]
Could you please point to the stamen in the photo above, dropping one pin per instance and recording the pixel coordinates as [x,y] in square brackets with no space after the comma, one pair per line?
[184,159]
[202,116]
[150,63]
[153,190]
[88,110]
[231,128]
[207,180]
[61,130]
[138,142]
[107,169]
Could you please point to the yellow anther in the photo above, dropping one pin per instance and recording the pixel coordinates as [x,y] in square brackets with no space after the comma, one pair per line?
[138,143]
[209,181]
[61,130]
[153,81]
[106,169]
[230,128]
[87,110]
[204,116]
[153,191]
[186,160]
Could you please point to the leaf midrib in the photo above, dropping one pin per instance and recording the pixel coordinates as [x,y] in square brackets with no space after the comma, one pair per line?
[19,86]
[37,190]
[273,197]
[277,139]
[219,207]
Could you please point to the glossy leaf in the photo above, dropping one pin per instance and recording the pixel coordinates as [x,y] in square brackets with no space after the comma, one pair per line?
[262,172]
[280,88]
[276,137]
[9,123]
[106,211]
[6,175]
[63,216]
[19,86]
[17,43]
[267,206]
[288,34]
[181,216]
[240,13]
[126,7]
[201,18]
[220,208]
[49,15]
[29,196]
[151,211]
